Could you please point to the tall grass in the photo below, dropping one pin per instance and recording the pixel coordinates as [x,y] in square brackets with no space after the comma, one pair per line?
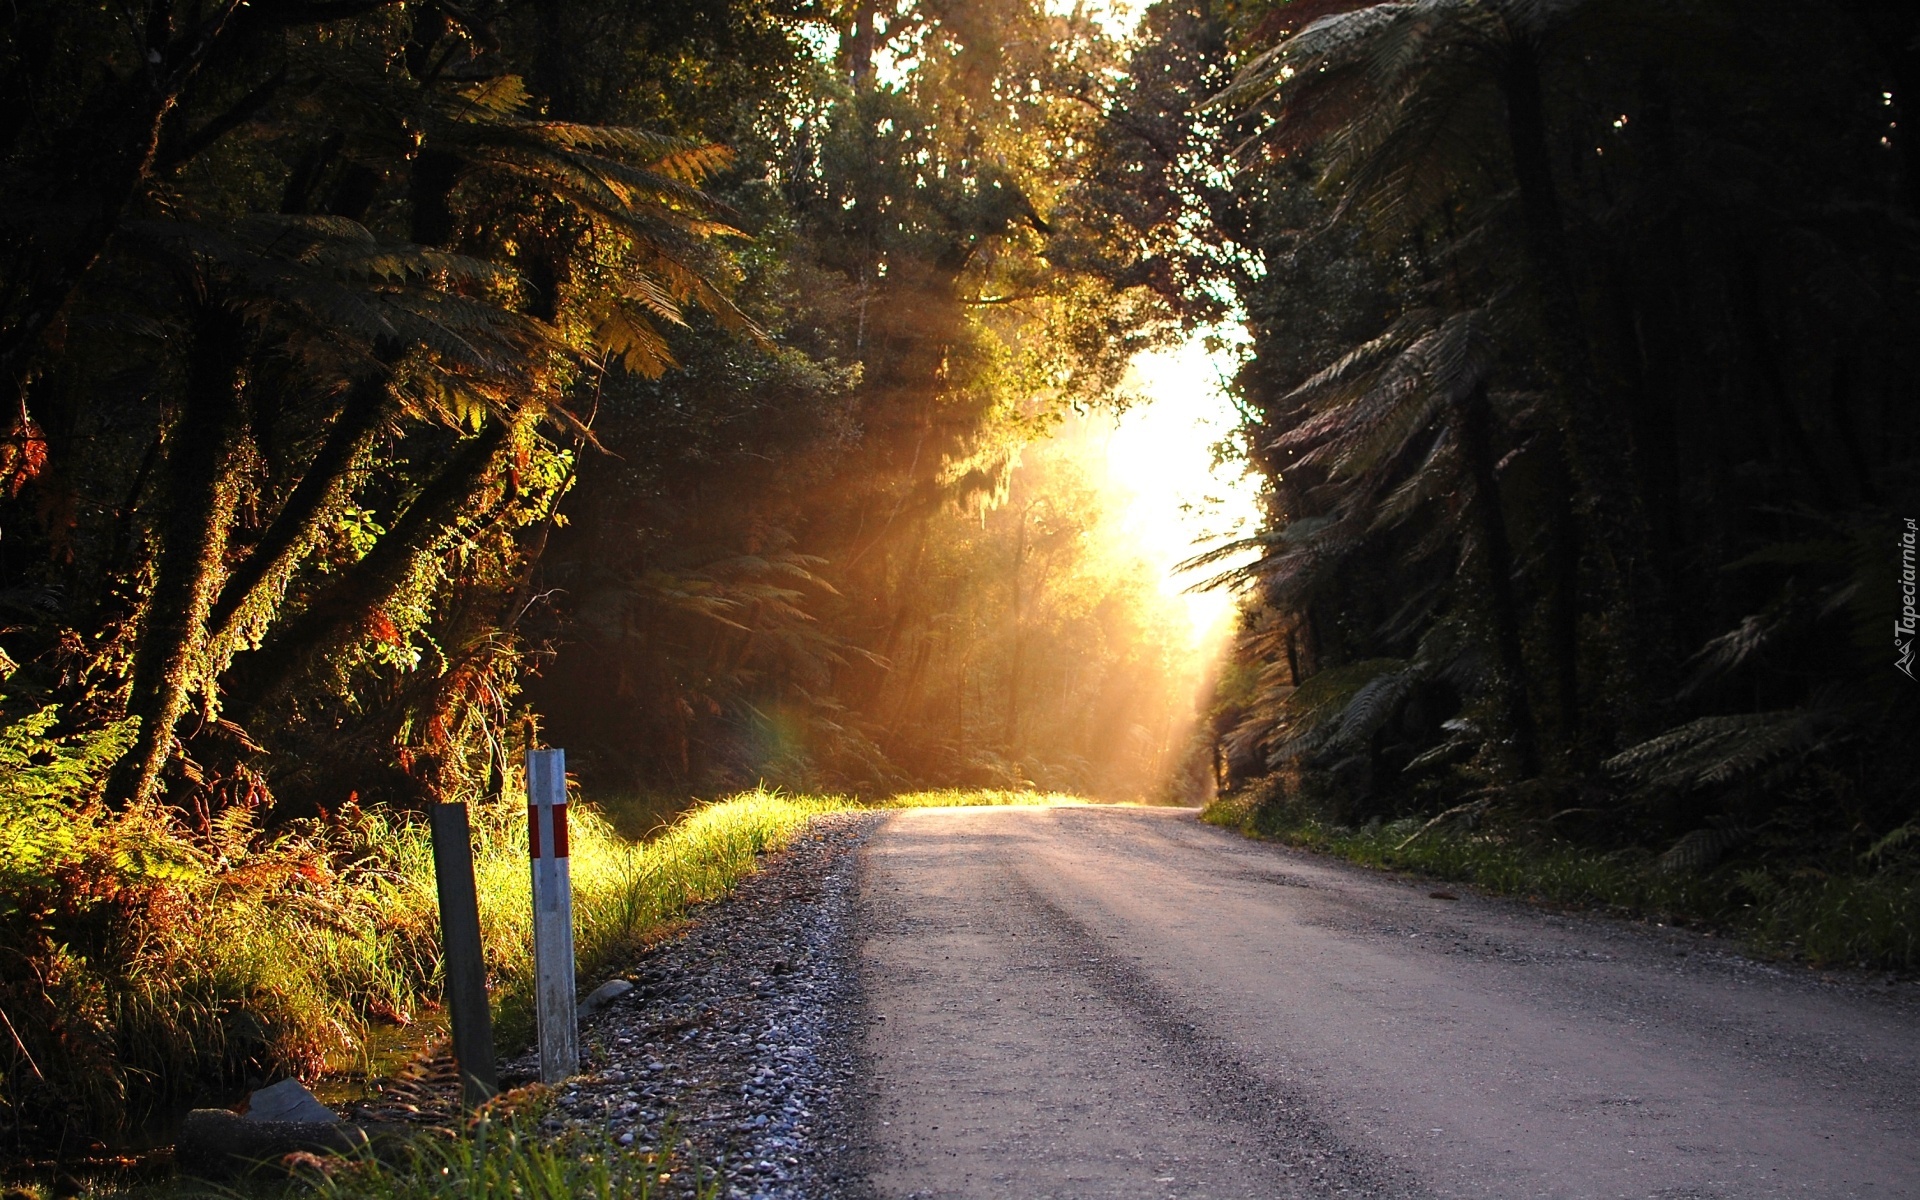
[970,797]
[512,1160]
[1866,919]
[144,967]
[1860,920]
[623,891]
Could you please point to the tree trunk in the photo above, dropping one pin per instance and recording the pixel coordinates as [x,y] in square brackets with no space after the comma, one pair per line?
[430,195]
[1563,598]
[1496,556]
[1840,399]
[1751,317]
[857,46]
[1650,409]
[554,64]
[193,540]
[1596,441]
[341,614]
[317,494]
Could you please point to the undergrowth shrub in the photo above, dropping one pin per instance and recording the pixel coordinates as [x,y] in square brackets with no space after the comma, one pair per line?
[150,960]
[146,962]
[1862,920]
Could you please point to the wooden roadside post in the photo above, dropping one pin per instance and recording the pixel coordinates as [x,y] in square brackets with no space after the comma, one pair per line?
[552,915]
[466,967]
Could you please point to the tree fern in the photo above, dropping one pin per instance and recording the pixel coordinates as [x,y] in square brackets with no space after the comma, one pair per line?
[1711,751]
[1332,706]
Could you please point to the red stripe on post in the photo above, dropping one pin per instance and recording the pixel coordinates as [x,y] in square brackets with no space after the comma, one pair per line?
[560,830]
[533,831]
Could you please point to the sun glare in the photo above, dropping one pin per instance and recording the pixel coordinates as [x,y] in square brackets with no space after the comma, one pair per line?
[1161,470]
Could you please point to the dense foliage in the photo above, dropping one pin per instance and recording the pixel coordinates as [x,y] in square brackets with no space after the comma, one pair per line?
[755,583]
[1582,381]
[387,379]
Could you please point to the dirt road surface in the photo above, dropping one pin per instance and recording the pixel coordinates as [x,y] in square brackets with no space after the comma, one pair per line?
[1112,1002]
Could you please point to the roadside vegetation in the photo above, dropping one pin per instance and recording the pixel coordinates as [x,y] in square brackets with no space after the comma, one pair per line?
[1850,916]
[173,970]
[511,1159]
[1585,425]
[962,797]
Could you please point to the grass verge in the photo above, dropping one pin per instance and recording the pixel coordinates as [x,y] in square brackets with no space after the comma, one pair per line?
[972,797]
[149,967]
[510,1160]
[1863,920]
[624,891]
[162,967]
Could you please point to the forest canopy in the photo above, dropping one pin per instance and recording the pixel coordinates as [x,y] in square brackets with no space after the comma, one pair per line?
[370,362]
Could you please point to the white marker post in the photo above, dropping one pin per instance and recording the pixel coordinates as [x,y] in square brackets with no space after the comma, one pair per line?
[552,915]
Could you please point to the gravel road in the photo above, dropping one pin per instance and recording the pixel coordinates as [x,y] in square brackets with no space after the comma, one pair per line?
[1110,1002]
[738,1038]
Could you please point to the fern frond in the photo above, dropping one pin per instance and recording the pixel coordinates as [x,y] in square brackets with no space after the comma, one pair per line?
[1436,476]
[631,337]
[1335,44]
[1702,848]
[501,96]
[1463,737]
[1369,355]
[1314,716]
[1718,750]
[1374,705]
[1727,653]
[1886,848]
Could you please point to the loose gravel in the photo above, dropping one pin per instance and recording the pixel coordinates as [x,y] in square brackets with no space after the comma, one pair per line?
[739,1038]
